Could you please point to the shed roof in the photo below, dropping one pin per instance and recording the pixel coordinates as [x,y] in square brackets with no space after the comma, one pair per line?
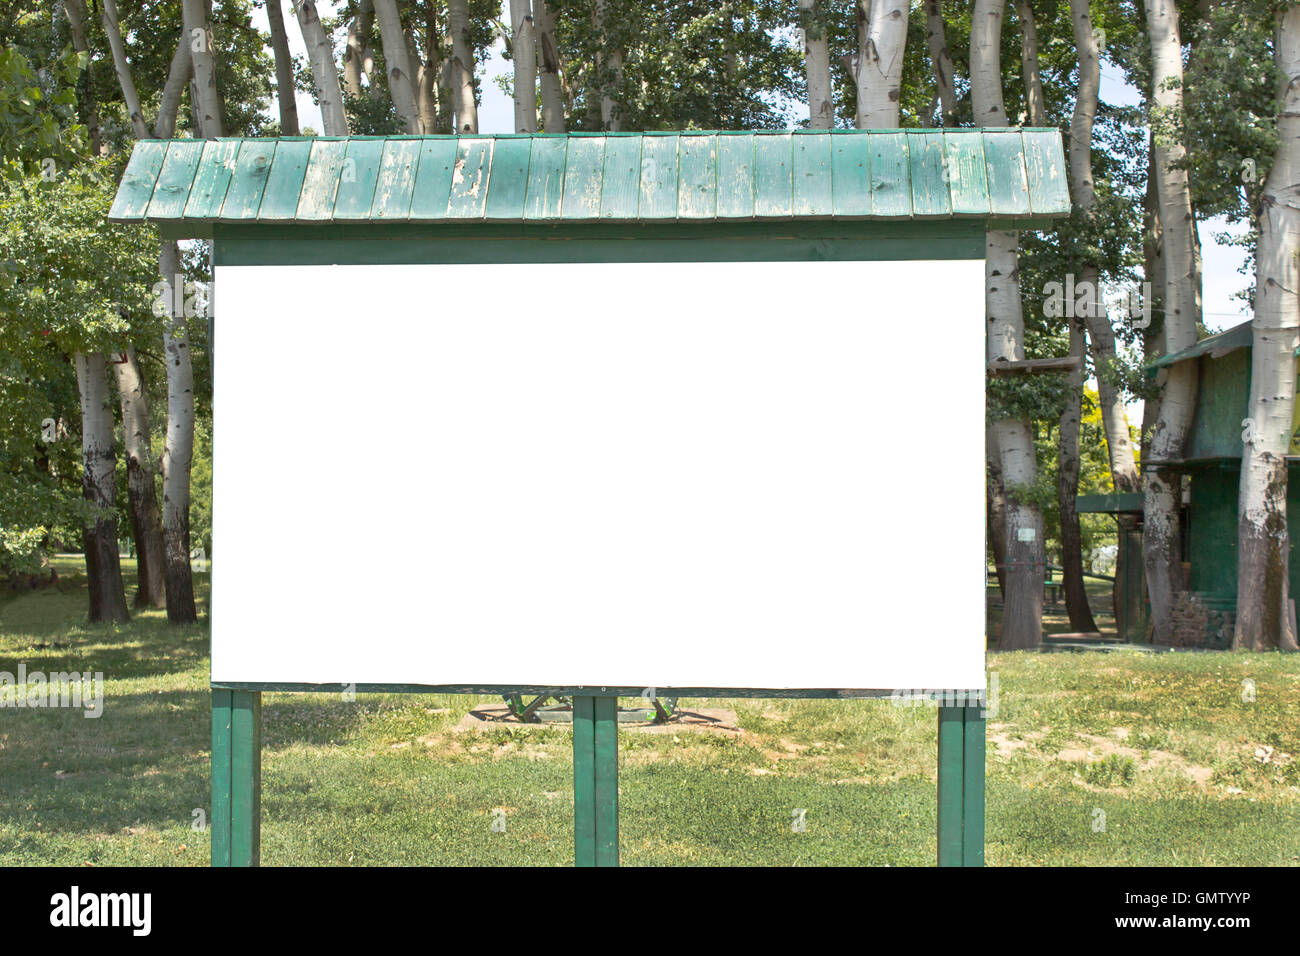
[1215,346]
[1016,176]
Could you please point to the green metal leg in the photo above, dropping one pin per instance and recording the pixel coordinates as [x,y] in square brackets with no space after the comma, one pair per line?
[961,786]
[236,778]
[595,781]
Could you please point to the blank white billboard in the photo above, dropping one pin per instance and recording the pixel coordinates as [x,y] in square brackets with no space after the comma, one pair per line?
[719,475]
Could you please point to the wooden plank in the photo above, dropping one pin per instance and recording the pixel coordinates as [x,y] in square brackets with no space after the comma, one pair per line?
[284,184]
[812,174]
[773,175]
[697,174]
[891,186]
[658,177]
[136,188]
[929,176]
[967,182]
[212,179]
[433,179]
[219,774]
[851,173]
[358,179]
[470,179]
[248,180]
[508,182]
[951,789]
[736,176]
[620,190]
[320,183]
[1004,166]
[605,746]
[973,748]
[545,196]
[245,778]
[172,190]
[1065,363]
[584,781]
[584,165]
[1049,191]
[395,183]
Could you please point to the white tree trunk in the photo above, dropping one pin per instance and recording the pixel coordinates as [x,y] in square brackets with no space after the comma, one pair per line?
[208,109]
[426,83]
[1101,336]
[1026,565]
[882,37]
[609,70]
[178,453]
[1263,543]
[817,65]
[1036,105]
[548,69]
[108,16]
[941,60]
[99,460]
[177,77]
[78,25]
[462,65]
[523,45]
[1161,538]
[986,64]
[324,72]
[176,576]
[284,92]
[354,54]
[397,56]
[146,519]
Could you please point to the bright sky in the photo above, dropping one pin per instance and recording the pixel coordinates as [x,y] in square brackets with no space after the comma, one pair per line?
[496,115]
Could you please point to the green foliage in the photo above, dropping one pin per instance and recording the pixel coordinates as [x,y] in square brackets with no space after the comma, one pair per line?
[687,65]
[1232,102]
[38,128]
[1113,770]
[68,282]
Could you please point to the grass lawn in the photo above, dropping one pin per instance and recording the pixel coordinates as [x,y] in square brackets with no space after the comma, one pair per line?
[1183,768]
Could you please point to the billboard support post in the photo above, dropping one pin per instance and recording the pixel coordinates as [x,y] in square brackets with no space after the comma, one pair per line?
[961,786]
[236,820]
[595,781]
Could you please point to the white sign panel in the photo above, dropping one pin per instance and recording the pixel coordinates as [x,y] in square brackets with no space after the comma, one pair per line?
[745,475]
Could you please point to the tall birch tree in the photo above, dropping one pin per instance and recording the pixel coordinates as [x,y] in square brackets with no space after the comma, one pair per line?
[284,90]
[882,39]
[1101,336]
[324,72]
[817,64]
[1162,486]
[941,60]
[1026,565]
[1263,619]
[397,56]
[523,53]
[548,69]
[103,566]
[462,67]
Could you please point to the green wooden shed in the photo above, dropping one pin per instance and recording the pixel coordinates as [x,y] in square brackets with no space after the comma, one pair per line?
[1211,461]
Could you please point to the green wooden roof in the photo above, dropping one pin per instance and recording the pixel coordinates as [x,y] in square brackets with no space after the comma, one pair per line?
[1015,176]
[1216,346]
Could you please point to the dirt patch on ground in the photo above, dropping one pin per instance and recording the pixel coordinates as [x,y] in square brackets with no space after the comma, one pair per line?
[1098,748]
[1005,746]
[694,720]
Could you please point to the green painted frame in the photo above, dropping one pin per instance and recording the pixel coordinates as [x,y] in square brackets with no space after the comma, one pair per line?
[236,707]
